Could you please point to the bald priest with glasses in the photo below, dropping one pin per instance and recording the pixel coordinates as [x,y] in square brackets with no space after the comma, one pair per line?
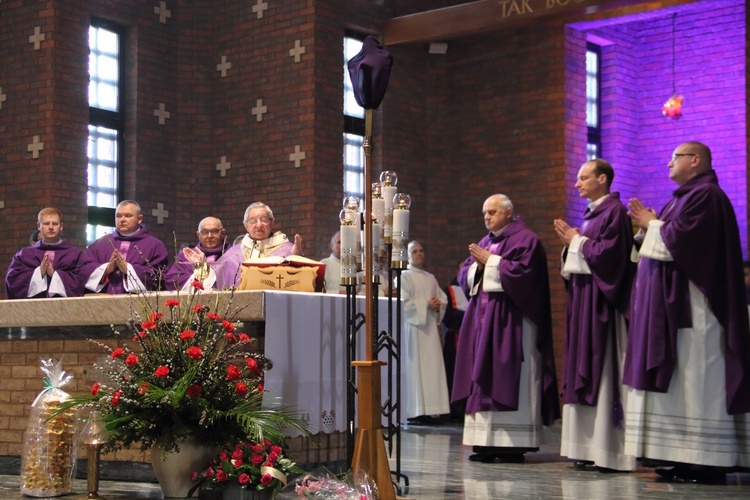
[196,262]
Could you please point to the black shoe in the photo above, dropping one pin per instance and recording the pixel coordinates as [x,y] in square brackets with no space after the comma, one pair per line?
[498,458]
[423,420]
[692,475]
[583,464]
[607,470]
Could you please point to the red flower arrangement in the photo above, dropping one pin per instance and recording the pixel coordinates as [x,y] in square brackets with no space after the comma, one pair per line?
[259,466]
[180,377]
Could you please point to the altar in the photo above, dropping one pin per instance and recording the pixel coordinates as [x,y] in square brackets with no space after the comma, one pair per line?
[303,334]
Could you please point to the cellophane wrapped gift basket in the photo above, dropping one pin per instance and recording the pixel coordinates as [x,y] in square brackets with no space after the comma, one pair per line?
[49,448]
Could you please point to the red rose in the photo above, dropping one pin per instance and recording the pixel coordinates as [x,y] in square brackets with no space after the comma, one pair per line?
[240,389]
[266,442]
[276,449]
[162,371]
[266,479]
[244,478]
[116,398]
[237,462]
[172,303]
[95,388]
[228,326]
[214,317]
[197,285]
[194,352]
[131,360]
[193,476]
[148,325]
[256,460]
[273,456]
[209,473]
[258,448]
[253,365]
[238,453]
[233,373]
[224,455]
[118,352]
[244,337]
[268,464]
[221,475]
[187,334]
[194,390]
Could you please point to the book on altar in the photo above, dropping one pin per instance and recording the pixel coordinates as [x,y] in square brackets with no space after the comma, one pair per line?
[293,273]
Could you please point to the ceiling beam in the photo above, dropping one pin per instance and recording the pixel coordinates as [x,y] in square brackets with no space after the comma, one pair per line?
[484,16]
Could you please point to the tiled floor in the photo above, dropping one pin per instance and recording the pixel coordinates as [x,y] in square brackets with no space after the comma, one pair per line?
[437,467]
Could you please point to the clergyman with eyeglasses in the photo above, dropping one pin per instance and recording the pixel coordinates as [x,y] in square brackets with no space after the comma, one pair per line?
[260,241]
[688,354]
[196,263]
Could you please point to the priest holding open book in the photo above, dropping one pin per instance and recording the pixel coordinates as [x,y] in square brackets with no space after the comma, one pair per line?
[259,242]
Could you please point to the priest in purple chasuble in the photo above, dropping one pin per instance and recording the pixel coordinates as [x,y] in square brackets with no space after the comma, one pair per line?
[199,262]
[128,260]
[598,274]
[260,241]
[688,353]
[48,268]
[505,370]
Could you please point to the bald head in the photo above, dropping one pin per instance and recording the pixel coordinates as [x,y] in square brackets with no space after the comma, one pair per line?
[211,233]
[688,160]
[497,211]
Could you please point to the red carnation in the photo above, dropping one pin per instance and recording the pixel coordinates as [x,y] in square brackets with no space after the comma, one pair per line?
[260,388]
[162,371]
[214,316]
[221,475]
[118,352]
[233,373]
[241,389]
[266,479]
[253,365]
[197,285]
[131,360]
[142,334]
[197,309]
[244,337]
[172,303]
[244,478]
[228,326]
[187,334]
[95,389]
[148,325]
[194,390]
[155,316]
[194,352]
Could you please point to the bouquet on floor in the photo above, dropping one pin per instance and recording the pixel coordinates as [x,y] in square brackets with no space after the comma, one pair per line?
[323,484]
[183,371]
[260,466]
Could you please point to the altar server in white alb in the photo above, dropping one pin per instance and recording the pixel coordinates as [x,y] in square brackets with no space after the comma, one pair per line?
[424,305]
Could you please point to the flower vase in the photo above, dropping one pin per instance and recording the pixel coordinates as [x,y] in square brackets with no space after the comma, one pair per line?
[233,491]
[173,469]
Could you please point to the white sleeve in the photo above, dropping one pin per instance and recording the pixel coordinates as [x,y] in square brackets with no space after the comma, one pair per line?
[415,309]
[132,283]
[57,287]
[575,263]
[94,283]
[653,245]
[37,284]
[491,277]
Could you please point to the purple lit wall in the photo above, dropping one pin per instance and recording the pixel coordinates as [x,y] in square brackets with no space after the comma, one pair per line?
[709,71]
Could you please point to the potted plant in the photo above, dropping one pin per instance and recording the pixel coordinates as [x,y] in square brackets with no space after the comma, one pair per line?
[184,376]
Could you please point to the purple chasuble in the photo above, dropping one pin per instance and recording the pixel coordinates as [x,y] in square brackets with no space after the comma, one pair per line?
[700,231]
[66,260]
[144,252]
[595,299]
[229,268]
[182,269]
[490,345]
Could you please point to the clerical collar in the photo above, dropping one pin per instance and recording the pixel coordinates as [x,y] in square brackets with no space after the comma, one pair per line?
[127,234]
[499,231]
[52,244]
[598,202]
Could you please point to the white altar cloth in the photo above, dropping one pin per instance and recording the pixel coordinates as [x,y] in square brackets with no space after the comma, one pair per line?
[306,341]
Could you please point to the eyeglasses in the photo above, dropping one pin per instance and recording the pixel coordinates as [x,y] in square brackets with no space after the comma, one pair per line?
[677,155]
[213,232]
[262,220]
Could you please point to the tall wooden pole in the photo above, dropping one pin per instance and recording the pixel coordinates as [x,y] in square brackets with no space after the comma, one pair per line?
[369,450]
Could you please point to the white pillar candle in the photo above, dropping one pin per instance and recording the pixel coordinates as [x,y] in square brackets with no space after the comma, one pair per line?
[400,254]
[376,228]
[348,256]
[388,193]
